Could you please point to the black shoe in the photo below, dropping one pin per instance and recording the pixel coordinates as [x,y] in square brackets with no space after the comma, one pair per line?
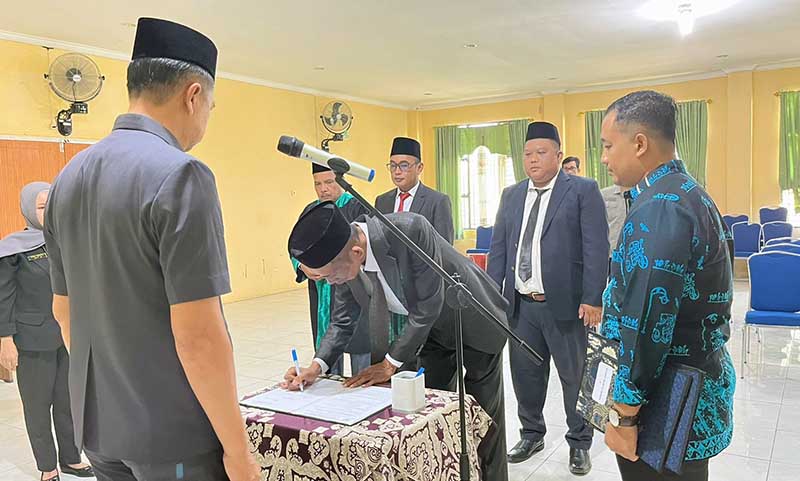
[524,449]
[580,463]
[86,472]
[54,478]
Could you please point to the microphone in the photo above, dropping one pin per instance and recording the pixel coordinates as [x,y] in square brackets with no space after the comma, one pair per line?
[294,147]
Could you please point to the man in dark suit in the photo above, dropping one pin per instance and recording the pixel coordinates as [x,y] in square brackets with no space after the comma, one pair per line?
[549,251]
[411,195]
[377,275]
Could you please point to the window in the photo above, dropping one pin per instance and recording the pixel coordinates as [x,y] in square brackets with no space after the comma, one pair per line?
[482,175]
[791,200]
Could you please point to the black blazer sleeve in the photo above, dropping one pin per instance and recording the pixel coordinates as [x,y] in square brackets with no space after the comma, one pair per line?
[344,321]
[443,218]
[594,230]
[429,288]
[8,293]
[496,263]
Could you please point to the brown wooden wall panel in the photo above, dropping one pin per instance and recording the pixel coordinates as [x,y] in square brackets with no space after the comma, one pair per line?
[22,162]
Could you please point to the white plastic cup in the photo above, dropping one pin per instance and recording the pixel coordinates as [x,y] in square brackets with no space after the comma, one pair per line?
[408,392]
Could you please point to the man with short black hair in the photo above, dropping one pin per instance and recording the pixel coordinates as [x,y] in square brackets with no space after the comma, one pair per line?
[138,264]
[571,165]
[669,294]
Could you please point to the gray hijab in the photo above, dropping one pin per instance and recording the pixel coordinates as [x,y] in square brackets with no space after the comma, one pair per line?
[32,236]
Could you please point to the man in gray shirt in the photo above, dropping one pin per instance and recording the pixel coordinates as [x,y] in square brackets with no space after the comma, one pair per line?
[616,210]
[138,261]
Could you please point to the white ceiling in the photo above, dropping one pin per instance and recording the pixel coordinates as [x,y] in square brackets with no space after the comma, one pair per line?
[393,52]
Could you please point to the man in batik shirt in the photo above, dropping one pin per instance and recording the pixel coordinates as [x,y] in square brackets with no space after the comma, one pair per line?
[670,291]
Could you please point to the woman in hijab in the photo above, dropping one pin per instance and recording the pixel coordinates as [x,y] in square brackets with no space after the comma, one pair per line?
[31,343]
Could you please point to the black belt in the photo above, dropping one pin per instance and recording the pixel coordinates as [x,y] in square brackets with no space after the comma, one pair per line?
[532,297]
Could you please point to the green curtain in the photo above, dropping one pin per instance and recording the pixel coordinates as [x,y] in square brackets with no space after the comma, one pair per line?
[594,149]
[496,138]
[691,137]
[447,162]
[517,131]
[789,160]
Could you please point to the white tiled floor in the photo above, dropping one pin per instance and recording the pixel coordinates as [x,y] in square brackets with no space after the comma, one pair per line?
[766,443]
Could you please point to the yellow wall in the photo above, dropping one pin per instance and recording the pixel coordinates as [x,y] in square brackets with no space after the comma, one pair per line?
[521,109]
[743,123]
[766,128]
[262,191]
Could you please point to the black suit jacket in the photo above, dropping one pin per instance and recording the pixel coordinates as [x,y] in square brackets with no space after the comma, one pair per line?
[26,302]
[429,203]
[421,291]
[574,245]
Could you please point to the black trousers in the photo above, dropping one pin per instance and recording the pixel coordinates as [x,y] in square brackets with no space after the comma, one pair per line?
[43,378]
[563,341]
[484,381]
[639,471]
[206,467]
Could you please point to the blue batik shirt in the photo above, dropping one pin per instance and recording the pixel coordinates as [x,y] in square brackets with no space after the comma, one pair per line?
[669,300]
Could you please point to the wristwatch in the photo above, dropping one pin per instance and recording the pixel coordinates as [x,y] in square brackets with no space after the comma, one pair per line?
[618,420]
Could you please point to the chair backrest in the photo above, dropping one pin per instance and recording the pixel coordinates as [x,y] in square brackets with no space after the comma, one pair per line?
[771,286]
[734,219]
[483,237]
[793,248]
[746,238]
[773,214]
[774,230]
[779,240]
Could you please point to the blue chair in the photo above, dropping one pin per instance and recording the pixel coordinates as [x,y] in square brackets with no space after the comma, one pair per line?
[483,239]
[773,214]
[793,248]
[779,240]
[774,299]
[734,219]
[775,230]
[746,239]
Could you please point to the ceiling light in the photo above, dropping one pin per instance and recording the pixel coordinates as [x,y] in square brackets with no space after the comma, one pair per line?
[428,94]
[683,12]
[552,78]
[319,67]
[470,45]
[723,56]
[128,24]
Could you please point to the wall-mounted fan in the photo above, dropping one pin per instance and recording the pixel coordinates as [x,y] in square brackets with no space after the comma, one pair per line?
[336,118]
[75,78]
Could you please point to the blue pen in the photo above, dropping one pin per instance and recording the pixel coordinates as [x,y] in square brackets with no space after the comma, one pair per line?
[419,373]
[296,366]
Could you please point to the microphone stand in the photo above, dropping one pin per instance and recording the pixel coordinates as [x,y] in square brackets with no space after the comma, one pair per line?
[457,296]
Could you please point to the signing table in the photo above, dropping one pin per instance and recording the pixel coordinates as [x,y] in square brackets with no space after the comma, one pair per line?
[389,446]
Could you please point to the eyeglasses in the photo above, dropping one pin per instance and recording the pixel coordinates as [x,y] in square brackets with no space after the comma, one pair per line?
[402,166]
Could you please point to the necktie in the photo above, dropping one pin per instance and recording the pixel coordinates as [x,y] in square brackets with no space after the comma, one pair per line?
[379,319]
[526,249]
[403,198]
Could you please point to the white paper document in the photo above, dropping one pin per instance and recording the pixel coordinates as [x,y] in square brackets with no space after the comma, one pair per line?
[602,383]
[325,400]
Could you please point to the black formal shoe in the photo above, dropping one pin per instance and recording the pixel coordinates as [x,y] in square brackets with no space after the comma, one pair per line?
[86,472]
[54,478]
[524,449]
[580,463]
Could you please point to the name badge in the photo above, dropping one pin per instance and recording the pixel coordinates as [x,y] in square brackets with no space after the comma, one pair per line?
[37,257]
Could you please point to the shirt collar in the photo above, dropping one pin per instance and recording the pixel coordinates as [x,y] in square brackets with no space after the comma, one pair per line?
[413,190]
[370,263]
[146,124]
[674,166]
[549,185]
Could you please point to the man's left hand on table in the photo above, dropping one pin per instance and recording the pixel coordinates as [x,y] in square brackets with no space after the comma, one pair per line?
[375,374]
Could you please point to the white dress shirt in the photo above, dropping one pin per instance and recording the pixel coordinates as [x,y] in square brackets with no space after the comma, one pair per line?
[392,301]
[535,283]
[408,202]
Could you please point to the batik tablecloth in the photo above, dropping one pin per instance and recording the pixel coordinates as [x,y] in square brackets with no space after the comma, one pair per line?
[389,446]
